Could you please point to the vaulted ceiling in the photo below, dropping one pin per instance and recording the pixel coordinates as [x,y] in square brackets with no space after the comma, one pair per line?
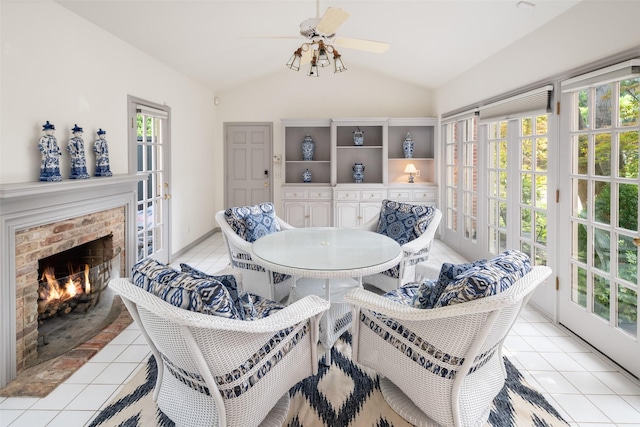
[212,41]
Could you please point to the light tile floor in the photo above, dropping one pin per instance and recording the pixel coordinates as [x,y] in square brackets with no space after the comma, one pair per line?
[586,388]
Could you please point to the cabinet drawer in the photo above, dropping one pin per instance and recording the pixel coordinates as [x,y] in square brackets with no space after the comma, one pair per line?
[400,195]
[347,195]
[294,194]
[425,195]
[319,194]
[372,195]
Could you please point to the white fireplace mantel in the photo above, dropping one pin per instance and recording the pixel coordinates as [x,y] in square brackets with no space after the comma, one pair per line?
[30,204]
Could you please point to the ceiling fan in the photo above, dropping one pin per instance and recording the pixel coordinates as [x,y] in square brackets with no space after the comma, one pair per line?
[322,41]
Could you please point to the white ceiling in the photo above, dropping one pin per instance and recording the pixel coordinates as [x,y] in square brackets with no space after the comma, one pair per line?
[210,40]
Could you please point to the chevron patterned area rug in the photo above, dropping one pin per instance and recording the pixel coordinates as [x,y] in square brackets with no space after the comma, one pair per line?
[341,395]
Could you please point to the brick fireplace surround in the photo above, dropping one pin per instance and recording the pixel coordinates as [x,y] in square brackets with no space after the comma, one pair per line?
[40,219]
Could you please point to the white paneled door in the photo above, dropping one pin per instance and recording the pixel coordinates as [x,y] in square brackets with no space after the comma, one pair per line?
[599,199]
[248,165]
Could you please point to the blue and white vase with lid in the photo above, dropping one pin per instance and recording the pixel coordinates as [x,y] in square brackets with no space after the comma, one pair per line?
[358,137]
[306,176]
[308,148]
[408,146]
[358,172]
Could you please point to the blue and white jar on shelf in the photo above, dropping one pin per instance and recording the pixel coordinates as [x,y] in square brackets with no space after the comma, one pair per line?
[408,146]
[306,176]
[308,148]
[358,172]
[358,137]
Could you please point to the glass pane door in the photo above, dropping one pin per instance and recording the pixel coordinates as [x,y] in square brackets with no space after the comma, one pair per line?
[600,302]
[153,196]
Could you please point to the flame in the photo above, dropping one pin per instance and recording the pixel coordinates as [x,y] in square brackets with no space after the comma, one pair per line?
[53,290]
[87,283]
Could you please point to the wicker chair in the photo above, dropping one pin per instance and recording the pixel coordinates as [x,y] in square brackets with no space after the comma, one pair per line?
[258,281]
[416,251]
[225,372]
[442,364]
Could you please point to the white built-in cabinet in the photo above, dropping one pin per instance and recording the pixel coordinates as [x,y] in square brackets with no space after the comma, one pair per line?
[332,197]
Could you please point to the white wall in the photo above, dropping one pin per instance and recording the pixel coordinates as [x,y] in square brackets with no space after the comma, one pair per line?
[287,94]
[588,32]
[56,66]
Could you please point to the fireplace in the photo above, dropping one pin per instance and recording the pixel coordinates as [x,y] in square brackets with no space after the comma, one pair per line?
[40,220]
[74,302]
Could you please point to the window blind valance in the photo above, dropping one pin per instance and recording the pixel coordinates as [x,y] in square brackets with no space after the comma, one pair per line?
[151,112]
[534,101]
[454,116]
[624,70]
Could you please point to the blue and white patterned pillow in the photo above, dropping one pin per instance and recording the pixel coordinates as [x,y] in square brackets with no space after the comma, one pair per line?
[513,262]
[184,290]
[490,278]
[426,294]
[241,300]
[404,294]
[404,222]
[253,222]
[429,291]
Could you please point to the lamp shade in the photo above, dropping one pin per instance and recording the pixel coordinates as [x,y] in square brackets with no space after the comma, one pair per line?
[410,168]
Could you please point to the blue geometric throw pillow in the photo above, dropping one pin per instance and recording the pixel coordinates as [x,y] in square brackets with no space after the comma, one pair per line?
[404,222]
[486,279]
[241,300]
[426,294]
[429,292]
[253,222]
[183,290]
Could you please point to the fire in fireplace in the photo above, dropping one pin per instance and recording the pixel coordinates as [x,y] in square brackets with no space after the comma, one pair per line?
[71,283]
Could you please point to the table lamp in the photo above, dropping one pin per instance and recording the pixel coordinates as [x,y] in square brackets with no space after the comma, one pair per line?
[411,170]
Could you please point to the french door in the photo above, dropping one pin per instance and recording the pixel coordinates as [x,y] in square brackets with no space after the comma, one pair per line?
[461,180]
[599,204]
[149,157]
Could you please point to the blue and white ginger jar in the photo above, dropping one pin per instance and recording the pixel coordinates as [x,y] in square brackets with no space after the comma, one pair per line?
[358,137]
[408,146]
[358,172]
[306,176]
[308,148]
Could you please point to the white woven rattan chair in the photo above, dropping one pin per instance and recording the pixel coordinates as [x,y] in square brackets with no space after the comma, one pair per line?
[214,371]
[414,252]
[442,365]
[267,284]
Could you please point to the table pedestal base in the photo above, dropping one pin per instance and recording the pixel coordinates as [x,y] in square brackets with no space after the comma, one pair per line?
[336,320]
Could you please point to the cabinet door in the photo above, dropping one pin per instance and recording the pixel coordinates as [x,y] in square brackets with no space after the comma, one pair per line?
[319,214]
[294,213]
[347,214]
[369,211]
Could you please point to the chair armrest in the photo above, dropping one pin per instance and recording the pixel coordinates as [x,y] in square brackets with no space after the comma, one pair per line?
[362,298]
[283,224]
[371,225]
[291,315]
[379,304]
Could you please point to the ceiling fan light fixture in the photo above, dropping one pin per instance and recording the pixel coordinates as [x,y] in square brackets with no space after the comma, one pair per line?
[337,61]
[313,70]
[294,61]
[323,57]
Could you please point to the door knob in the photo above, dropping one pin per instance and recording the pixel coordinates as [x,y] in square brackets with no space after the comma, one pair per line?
[167,196]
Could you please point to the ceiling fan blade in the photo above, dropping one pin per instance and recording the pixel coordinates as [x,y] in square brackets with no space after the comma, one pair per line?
[361,44]
[332,19]
[306,56]
[273,37]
